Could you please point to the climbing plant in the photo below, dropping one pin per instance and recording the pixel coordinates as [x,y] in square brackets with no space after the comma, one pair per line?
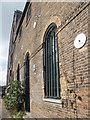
[69,91]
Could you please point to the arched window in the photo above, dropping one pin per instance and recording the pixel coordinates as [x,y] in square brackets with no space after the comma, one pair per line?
[27,89]
[51,63]
[18,73]
[28,14]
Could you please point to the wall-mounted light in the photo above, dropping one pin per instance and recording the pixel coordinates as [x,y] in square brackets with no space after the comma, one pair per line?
[21,47]
[16,57]
[34,25]
[37,16]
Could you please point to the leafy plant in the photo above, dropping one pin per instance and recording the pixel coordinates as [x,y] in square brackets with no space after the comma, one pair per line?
[20,114]
[14,99]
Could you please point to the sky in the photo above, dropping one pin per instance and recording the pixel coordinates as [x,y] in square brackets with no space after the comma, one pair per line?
[6,17]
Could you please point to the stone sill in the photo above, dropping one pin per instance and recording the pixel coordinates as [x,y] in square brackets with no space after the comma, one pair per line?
[52,100]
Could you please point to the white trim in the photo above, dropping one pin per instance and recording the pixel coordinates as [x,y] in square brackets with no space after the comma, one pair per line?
[52,100]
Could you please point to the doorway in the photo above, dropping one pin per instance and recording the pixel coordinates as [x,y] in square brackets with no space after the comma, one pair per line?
[27,84]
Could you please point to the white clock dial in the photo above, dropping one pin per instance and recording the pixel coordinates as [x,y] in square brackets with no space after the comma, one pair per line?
[80,40]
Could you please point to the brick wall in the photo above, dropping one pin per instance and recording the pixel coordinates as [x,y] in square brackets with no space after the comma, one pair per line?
[71,19]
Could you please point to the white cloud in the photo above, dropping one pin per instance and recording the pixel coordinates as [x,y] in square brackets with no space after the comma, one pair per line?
[46,0]
[14,0]
[3,51]
[2,76]
[3,61]
[6,15]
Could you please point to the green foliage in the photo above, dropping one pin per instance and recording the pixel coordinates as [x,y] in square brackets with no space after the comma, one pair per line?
[14,100]
[20,114]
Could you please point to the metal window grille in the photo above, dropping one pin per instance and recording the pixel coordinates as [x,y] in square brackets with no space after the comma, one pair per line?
[51,63]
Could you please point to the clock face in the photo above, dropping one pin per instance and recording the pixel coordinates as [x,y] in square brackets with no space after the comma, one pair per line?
[80,40]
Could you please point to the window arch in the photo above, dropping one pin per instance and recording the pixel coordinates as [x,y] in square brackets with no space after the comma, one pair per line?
[51,63]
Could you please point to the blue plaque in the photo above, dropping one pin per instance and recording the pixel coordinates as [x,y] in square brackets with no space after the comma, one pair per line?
[34,68]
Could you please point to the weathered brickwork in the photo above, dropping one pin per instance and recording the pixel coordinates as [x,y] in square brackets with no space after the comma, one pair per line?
[15,22]
[71,19]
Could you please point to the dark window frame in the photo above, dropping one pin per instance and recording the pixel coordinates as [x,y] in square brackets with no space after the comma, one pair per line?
[18,73]
[28,15]
[51,71]
[10,72]
[27,82]
[20,33]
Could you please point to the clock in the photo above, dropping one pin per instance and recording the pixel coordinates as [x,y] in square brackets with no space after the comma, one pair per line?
[80,40]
